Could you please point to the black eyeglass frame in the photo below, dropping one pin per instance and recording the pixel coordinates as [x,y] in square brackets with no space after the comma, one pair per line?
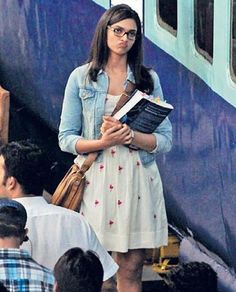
[131,34]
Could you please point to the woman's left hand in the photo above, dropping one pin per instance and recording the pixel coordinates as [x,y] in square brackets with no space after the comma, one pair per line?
[129,134]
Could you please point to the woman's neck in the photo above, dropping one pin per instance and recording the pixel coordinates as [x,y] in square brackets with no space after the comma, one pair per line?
[116,69]
[117,64]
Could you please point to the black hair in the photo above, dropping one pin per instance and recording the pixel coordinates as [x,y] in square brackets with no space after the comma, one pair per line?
[78,270]
[3,288]
[192,276]
[99,51]
[13,219]
[27,163]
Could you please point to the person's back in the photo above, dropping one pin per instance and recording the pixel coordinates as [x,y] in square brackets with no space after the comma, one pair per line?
[78,270]
[52,229]
[18,271]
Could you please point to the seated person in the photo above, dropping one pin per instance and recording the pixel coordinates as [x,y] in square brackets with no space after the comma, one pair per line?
[18,271]
[78,270]
[192,276]
[52,229]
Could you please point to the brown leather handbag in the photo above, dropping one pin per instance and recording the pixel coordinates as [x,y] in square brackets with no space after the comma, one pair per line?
[69,192]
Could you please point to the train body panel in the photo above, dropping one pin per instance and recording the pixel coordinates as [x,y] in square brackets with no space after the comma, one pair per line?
[199,172]
[41,43]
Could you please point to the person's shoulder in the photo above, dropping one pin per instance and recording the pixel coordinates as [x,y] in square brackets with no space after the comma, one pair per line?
[79,75]
[68,214]
[46,274]
[83,69]
[31,262]
[155,78]
[38,207]
[153,73]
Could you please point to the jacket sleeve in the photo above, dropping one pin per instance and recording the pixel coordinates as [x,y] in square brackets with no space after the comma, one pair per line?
[163,132]
[70,127]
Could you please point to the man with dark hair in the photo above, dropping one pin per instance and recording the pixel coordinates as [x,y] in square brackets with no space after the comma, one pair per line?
[18,271]
[78,270]
[192,276]
[52,229]
[25,162]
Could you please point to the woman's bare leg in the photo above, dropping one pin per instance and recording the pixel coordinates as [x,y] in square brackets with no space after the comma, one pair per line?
[109,285]
[129,275]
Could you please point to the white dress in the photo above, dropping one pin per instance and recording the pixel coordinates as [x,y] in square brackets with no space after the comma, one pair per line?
[123,200]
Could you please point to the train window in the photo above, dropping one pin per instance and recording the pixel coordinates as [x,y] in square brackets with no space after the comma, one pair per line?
[203,19]
[167,15]
[233,40]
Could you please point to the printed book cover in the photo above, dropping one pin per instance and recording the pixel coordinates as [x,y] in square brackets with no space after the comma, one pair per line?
[143,113]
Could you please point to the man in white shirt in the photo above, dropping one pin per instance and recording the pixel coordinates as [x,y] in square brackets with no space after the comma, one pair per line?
[52,229]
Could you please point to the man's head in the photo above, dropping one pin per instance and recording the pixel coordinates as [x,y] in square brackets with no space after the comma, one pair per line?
[23,168]
[77,270]
[192,276]
[13,219]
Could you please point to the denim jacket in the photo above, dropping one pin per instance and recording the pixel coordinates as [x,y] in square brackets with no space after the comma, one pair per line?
[84,106]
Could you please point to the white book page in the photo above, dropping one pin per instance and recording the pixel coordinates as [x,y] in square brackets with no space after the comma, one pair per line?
[131,103]
[135,99]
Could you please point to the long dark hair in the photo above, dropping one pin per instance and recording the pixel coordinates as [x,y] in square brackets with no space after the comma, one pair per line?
[99,50]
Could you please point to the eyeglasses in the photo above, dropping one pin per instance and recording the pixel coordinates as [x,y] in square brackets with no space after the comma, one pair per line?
[120,32]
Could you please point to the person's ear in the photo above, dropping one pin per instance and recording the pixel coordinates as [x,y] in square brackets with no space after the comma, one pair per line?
[26,238]
[11,183]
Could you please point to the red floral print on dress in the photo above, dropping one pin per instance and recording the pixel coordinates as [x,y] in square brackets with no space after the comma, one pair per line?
[120,168]
[111,187]
[138,163]
[111,222]
[119,202]
[101,166]
[96,202]
[87,183]
[113,152]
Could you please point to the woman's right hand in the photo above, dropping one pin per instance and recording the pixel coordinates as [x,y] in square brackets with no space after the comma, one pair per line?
[117,134]
[108,122]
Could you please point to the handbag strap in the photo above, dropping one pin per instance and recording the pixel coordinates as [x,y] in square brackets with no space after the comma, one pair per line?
[125,96]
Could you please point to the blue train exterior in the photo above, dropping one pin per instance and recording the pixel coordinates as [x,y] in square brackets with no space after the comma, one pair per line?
[41,42]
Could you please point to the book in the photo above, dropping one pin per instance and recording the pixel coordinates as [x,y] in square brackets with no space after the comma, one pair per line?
[143,113]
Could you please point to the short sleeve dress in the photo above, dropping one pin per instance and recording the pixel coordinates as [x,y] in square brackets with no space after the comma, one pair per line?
[123,200]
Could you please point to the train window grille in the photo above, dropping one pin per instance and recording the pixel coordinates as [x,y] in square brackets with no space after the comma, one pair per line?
[203,28]
[167,15]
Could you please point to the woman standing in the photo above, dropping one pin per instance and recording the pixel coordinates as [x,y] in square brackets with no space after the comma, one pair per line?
[123,200]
